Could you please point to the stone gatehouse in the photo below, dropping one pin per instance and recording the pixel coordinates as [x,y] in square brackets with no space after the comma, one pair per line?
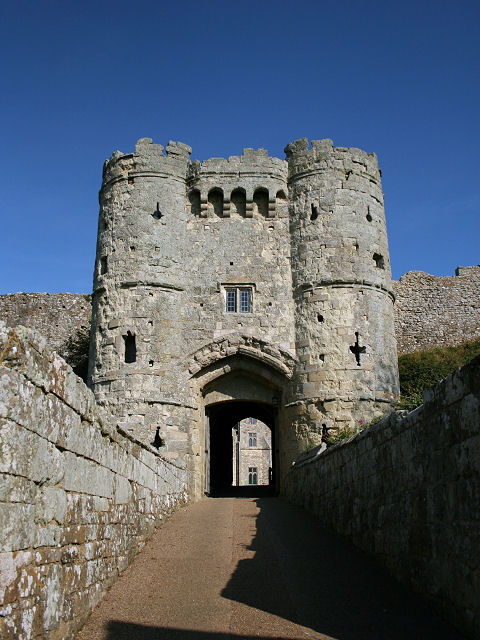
[242,287]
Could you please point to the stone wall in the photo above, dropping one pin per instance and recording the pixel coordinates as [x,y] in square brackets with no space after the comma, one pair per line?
[434,312]
[430,311]
[57,316]
[407,490]
[78,499]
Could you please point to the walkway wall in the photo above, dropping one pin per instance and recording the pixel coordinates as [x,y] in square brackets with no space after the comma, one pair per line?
[78,496]
[407,490]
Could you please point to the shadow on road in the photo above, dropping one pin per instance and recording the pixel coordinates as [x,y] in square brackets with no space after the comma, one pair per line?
[259,491]
[126,631]
[304,573]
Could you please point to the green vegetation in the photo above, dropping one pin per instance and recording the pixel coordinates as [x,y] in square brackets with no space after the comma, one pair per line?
[339,436]
[422,369]
[309,444]
[75,352]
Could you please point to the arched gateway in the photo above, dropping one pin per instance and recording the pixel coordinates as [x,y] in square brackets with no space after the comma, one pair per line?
[252,381]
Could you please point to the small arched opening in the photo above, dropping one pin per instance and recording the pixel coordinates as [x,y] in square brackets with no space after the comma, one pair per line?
[260,201]
[194,201]
[238,202]
[215,202]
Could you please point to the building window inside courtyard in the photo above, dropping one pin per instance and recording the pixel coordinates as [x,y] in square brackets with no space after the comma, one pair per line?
[252,475]
[252,421]
[238,300]
[252,440]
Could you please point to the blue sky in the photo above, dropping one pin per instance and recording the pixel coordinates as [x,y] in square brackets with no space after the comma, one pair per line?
[81,79]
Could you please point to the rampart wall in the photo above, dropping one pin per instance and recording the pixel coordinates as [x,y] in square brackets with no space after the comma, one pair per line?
[407,491]
[56,316]
[78,499]
[434,312]
[430,311]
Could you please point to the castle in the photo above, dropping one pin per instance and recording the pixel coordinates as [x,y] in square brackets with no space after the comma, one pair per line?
[233,289]
[251,286]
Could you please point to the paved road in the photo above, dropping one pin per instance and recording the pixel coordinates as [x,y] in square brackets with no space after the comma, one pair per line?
[244,568]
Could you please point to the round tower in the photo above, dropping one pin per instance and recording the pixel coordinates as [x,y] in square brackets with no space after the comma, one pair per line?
[138,293]
[345,340]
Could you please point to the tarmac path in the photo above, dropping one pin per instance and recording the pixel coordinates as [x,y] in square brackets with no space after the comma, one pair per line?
[243,568]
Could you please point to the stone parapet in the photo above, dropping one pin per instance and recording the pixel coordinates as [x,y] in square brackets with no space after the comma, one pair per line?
[148,159]
[79,495]
[407,491]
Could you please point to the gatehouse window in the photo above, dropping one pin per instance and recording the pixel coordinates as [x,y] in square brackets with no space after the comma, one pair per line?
[231,301]
[252,440]
[238,299]
[244,301]
[252,475]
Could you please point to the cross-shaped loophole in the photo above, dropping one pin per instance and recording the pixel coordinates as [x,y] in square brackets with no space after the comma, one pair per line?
[157,214]
[356,349]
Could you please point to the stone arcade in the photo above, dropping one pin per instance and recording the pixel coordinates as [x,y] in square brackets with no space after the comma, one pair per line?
[252,281]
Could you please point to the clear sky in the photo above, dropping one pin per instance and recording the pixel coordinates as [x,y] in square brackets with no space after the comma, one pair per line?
[81,79]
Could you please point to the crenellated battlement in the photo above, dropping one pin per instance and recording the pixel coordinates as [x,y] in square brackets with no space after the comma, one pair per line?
[251,161]
[148,157]
[304,159]
[242,184]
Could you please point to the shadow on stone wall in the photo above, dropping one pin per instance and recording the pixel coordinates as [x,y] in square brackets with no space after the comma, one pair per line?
[407,491]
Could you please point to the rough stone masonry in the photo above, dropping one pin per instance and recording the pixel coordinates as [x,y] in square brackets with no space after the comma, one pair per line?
[254,266]
[407,490]
[78,496]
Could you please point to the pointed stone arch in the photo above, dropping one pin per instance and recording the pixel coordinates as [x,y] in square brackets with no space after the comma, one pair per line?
[248,346]
[238,369]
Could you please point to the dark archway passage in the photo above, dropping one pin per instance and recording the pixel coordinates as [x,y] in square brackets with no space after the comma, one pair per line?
[221,419]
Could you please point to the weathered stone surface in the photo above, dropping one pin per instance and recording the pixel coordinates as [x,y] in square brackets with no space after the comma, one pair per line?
[434,312]
[302,240]
[78,498]
[57,316]
[408,491]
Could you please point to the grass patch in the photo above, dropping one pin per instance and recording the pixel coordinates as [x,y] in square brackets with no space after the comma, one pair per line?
[422,369]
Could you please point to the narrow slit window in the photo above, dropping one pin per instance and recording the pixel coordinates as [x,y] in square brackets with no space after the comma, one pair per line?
[103,265]
[314,212]
[130,347]
[379,261]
